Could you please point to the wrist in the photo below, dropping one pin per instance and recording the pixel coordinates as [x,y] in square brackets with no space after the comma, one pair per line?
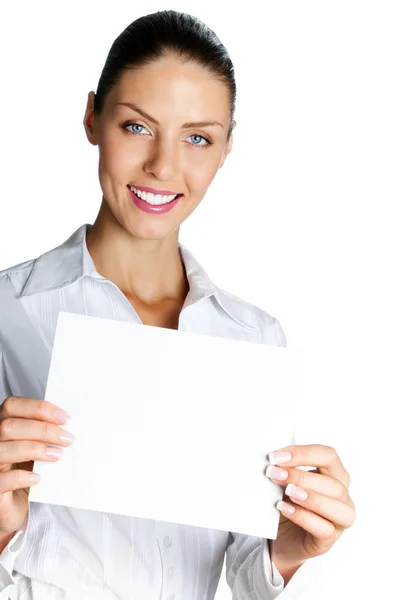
[287,567]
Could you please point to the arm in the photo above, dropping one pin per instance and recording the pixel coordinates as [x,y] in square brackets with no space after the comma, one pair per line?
[10,543]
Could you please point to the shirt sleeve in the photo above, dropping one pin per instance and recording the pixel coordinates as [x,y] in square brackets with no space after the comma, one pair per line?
[280,338]
[5,390]
[15,545]
[9,556]
[249,571]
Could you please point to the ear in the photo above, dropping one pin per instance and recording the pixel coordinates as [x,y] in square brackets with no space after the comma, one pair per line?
[89,121]
[229,146]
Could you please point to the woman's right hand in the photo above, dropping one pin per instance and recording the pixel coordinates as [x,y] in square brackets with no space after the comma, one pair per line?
[27,426]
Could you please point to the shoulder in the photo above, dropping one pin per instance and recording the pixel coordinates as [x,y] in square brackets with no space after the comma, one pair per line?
[254,317]
[24,266]
[17,274]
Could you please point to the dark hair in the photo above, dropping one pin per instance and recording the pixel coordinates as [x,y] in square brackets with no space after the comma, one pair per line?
[155,35]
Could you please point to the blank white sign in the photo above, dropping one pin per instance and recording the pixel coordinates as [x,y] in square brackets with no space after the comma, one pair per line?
[169,425]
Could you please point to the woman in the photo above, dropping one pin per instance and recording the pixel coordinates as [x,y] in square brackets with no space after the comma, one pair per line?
[162,118]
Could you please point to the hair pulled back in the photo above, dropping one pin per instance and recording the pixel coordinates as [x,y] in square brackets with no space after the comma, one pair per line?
[161,33]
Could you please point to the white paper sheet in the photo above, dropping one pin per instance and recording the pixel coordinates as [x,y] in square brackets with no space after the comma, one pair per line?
[169,425]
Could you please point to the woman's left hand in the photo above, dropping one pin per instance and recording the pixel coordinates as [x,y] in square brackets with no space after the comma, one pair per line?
[318,521]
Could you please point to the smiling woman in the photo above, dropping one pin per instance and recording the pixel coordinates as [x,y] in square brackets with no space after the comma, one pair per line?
[163,120]
[162,117]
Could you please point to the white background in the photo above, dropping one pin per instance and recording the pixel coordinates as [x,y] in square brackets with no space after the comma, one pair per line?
[300,221]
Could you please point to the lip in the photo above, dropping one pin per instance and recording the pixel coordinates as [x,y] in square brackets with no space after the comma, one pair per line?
[152,209]
[154,191]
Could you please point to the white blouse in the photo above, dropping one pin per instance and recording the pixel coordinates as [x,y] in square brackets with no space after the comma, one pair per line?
[63,553]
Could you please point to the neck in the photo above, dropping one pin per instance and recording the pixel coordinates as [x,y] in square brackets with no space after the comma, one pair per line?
[148,270]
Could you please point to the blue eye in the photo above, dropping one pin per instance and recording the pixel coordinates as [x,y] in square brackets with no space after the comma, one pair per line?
[135,125]
[200,137]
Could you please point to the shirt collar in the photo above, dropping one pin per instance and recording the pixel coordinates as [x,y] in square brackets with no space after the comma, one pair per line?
[71,261]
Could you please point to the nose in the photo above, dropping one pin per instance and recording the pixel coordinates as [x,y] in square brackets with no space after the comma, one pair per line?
[163,160]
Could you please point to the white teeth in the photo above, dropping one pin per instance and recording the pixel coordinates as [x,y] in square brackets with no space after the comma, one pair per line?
[154,199]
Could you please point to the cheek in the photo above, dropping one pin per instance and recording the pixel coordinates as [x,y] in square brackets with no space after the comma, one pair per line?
[112,157]
[201,174]
[114,170]
[199,182]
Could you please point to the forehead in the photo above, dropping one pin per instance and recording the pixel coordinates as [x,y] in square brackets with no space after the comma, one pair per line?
[170,81]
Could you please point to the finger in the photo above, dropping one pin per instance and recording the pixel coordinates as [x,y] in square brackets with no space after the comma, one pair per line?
[16,480]
[24,429]
[325,458]
[324,484]
[337,512]
[22,451]
[30,408]
[317,526]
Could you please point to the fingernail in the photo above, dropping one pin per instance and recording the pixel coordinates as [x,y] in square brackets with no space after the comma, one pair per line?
[67,437]
[276,473]
[34,478]
[279,457]
[61,416]
[54,452]
[285,507]
[296,492]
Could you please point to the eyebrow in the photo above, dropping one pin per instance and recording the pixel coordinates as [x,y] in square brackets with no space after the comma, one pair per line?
[153,120]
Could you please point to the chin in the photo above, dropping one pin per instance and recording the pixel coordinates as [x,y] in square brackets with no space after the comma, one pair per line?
[146,232]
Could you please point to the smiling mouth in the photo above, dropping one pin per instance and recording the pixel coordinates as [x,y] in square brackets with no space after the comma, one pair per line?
[154,199]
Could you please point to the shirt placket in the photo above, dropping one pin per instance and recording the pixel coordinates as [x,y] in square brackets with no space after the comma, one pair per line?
[167,552]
